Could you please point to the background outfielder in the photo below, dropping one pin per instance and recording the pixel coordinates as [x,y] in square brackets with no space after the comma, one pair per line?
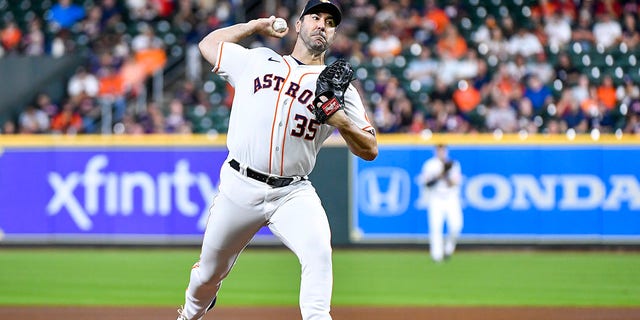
[284,108]
[441,177]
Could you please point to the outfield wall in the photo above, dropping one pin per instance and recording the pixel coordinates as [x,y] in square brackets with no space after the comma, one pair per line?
[157,189]
[534,191]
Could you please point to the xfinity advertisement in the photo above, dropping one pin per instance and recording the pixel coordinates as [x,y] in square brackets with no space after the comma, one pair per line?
[512,193]
[114,193]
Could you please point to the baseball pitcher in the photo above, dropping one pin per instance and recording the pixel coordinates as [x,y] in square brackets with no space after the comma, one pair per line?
[283,110]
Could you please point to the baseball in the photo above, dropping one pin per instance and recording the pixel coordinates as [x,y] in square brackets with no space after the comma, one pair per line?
[279,25]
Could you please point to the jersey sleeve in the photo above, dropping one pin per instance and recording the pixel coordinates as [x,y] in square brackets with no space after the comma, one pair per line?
[455,174]
[355,110]
[232,61]
[431,170]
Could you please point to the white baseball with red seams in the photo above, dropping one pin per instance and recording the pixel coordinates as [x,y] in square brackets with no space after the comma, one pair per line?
[270,86]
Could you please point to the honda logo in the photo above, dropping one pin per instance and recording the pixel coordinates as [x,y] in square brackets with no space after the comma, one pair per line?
[384,191]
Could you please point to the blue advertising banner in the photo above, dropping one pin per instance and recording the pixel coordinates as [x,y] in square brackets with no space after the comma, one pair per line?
[509,192]
[141,193]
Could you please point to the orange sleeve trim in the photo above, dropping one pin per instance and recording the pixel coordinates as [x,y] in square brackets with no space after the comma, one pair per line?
[219,60]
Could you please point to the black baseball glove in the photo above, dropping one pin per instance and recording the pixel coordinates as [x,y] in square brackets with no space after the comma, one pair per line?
[332,83]
[448,165]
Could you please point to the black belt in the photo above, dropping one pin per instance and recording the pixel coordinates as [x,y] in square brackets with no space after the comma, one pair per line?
[274,181]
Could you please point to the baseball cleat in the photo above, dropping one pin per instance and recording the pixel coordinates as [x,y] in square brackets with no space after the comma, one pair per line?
[180,316]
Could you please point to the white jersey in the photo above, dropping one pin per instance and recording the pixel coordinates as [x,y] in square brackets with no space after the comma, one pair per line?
[433,168]
[285,91]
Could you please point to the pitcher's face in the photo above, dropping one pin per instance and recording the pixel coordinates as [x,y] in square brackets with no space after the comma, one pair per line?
[317,31]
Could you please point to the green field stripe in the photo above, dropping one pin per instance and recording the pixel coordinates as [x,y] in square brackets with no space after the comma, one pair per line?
[362,277]
[506,279]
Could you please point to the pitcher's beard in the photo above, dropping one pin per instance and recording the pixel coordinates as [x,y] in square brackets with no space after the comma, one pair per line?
[318,48]
[315,45]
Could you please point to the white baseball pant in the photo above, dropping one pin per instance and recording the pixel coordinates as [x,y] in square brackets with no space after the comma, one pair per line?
[293,213]
[444,210]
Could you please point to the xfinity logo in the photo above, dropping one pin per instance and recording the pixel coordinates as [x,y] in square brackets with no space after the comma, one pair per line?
[385,191]
[116,193]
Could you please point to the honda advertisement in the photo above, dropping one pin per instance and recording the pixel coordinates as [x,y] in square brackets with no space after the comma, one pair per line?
[509,193]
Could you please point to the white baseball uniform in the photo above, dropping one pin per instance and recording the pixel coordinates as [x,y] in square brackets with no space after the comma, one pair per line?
[272,131]
[443,202]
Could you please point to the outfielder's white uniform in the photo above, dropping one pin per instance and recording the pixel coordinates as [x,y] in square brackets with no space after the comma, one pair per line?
[272,130]
[443,202]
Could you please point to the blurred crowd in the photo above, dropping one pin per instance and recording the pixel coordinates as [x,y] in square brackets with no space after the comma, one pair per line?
[460,66]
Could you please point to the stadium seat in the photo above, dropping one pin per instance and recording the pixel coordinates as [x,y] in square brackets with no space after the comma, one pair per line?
[634,73]
[595,75]
[599,59]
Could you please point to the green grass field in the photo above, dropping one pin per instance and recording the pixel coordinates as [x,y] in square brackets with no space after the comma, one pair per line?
[362,277]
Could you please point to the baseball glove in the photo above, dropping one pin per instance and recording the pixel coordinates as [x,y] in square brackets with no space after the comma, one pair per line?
[448,165]
[332,83]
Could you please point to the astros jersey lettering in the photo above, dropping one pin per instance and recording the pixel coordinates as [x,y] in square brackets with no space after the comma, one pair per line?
[268,85]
